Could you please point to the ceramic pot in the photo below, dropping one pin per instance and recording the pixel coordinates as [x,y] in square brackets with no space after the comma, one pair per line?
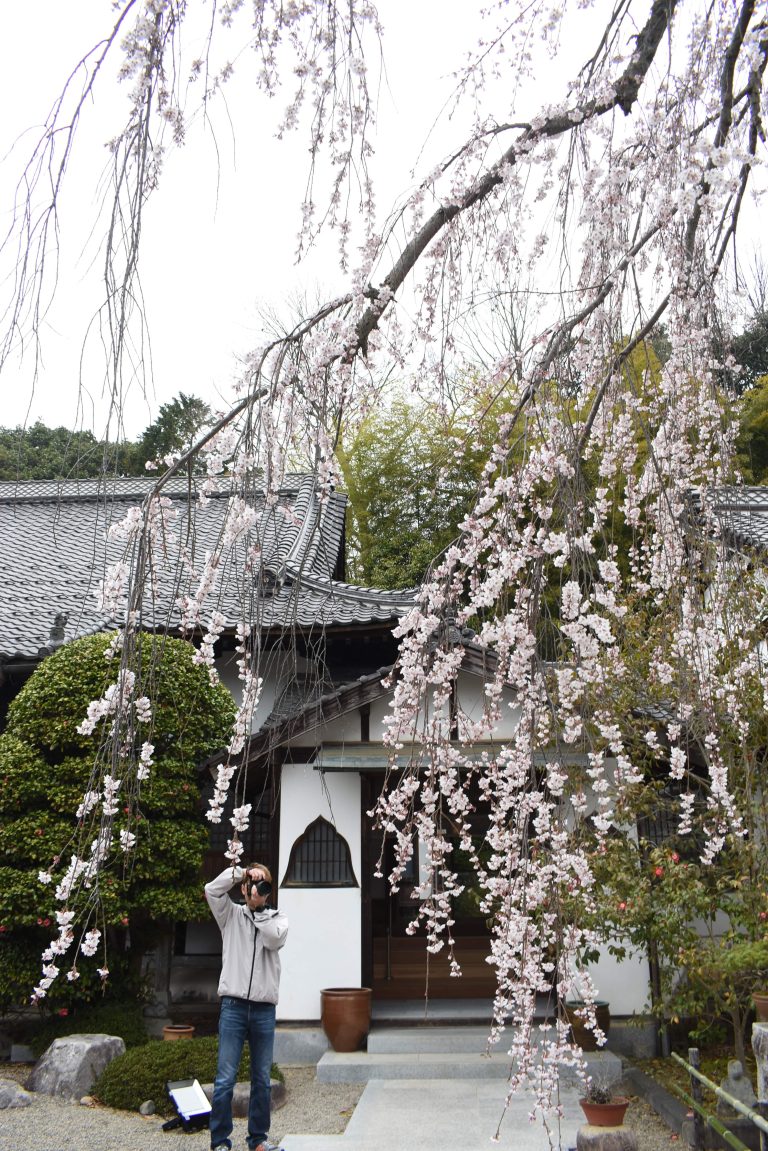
[346,1016]
[581,1034]
[760,1000]
[179,1031]
[605,1114]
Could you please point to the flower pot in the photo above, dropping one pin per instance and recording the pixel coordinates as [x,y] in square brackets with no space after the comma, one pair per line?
[346,1016]
[179,1031]
[575,1012]
[760,1000]
[605,1114]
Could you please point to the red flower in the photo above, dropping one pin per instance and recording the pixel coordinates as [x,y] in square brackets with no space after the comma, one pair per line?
[675,857]
[622,906]
[659,872]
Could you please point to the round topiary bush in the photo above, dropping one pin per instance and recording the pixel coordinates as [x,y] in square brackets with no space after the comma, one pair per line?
[46,767]
[143,1072]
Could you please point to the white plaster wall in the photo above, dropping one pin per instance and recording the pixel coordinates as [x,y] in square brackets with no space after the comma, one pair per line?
[472,700]
[345,729]
[625,984]
[227,669]
[323,948]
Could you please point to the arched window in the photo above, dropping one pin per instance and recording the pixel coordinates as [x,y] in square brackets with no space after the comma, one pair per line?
[320,858]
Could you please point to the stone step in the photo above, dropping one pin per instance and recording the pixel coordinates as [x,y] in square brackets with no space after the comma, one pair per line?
[299,1045]
[361,1066]
[424,1040]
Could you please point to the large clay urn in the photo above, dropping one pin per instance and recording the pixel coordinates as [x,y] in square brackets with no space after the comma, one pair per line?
[576,1015]
[346,1016]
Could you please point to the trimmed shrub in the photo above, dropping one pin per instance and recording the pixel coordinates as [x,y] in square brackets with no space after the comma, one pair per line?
[142,1073]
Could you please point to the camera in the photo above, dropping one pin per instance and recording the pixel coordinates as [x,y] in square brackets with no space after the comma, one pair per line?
[263,887]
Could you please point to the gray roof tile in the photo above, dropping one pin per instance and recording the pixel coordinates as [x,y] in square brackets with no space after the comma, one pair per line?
[54,552]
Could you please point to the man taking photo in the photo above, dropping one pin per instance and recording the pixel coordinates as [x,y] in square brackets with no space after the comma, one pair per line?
[252,935]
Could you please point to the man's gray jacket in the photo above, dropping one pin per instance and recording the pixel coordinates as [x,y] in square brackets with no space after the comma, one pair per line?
[250,964]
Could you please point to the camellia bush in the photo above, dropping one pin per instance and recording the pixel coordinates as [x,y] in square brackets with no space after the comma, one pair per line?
[46,763]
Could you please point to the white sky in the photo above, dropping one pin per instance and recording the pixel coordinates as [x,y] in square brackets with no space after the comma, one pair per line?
[217,244]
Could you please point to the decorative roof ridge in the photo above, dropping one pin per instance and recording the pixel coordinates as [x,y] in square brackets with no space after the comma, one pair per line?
[92,489]
[321,583]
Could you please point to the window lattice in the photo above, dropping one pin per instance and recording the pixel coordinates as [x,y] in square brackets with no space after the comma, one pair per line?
[257,839]
[320,858]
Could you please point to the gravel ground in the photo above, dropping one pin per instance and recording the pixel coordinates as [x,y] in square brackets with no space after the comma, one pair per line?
[310,1108]
[54,1125]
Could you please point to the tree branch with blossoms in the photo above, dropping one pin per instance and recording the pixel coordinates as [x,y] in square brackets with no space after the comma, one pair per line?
[617,206]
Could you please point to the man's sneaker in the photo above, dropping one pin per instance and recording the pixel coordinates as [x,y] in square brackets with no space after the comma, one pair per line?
[222,1147]
[268,1147]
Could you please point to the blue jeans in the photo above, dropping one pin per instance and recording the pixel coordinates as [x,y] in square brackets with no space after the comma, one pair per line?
[239,1019]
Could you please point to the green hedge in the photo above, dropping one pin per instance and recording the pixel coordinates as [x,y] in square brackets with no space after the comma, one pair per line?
[123,1019]
[143,1072]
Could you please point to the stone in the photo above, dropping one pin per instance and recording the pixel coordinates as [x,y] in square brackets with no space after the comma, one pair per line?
[71,1065]
[13,1095]
[242,1094]
[738,1085]
[147,1108]
[760,1048]
[87,1101]
[589,1138]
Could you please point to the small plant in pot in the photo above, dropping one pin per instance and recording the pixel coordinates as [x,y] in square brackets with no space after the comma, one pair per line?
[601,1107]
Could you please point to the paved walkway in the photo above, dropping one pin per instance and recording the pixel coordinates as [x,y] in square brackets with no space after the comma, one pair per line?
[442,1115]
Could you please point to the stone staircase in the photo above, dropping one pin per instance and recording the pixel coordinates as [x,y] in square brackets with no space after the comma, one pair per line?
[408,1040]
[436,1052]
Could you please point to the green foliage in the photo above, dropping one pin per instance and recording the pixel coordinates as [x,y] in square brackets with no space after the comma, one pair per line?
[750,350]
[408,487]
[42,453]
[46,768]
[142,1074]
[20,970]
[707,927]
[176,428]
[752,442]
[126,1020]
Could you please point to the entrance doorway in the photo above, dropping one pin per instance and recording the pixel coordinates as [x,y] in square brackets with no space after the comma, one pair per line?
[397,965]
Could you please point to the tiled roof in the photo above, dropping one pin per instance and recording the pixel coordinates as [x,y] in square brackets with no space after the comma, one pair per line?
[54,552]
[326,701]
[742,512]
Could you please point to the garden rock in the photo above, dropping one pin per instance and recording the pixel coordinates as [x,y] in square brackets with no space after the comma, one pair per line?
[242,1095]
[12,1095]
[71,1065]
[147,1108]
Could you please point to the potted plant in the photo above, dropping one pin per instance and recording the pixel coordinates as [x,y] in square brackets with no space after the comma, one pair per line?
[601,1107]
